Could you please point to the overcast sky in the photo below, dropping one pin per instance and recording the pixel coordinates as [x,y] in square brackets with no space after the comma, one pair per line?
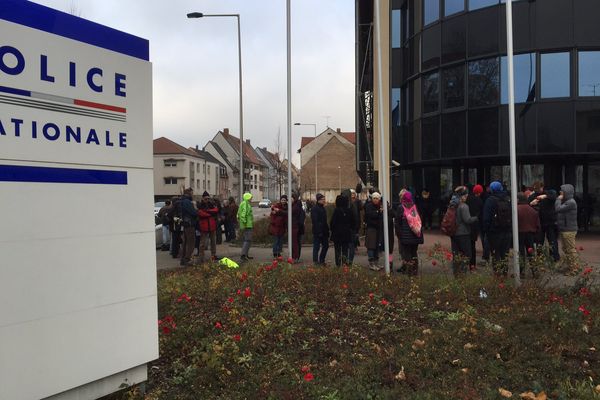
[195,64]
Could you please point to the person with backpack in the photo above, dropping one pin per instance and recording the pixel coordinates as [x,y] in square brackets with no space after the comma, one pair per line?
[566,208]
[497,224]
[298,217]
[245,219]
[475,204]
[278,225]
[190,220]
[342,226]
[163,216]
[461,240]
[320,230]
[409,230]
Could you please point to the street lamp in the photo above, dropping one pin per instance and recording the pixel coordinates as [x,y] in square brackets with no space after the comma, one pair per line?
[340,177]
[237,16]
[316,152]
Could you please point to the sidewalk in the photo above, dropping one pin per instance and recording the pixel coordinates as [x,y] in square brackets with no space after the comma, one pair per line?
[589,242]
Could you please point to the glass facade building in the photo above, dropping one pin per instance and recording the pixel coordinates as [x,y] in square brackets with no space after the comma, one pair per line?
[448,94]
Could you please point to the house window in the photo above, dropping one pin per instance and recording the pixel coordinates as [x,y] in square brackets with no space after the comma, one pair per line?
[170,181]
[198,183]
[209,185]
[208,169]
[197,167]
[204,168]
[170,163]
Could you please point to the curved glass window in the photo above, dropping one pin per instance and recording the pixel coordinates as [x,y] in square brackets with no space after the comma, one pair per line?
[483,132]
[395,106]
[524,78]
[431,47]
[477,4]
[453,6]
[454,86]
[431,92]
[454,135]
[556,75]
[589,73]
[431,11]
[454,39]
[483,82]
[396,28]
[430,138]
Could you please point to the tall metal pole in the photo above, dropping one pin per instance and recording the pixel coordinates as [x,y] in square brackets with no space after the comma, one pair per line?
[513,147]
[289,119]
[383,164]
[317,159]
[237,16]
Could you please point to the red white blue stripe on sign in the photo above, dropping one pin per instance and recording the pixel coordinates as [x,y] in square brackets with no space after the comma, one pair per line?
[18,173]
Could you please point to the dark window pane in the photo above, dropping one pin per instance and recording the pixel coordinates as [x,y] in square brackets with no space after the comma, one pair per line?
[396,28]
[554,24]
[525,129]
[483,32]
[453,6]
[454,135]
[431,138]
[588,127]
[454,42]
[524,65]
[523,23]
[431,92]
[454,86]
[555,128]
[483,132]
[483,82]
[431,11]
[431,47]
[476,4]
[589,73]
[586,28]
[395,106]
[556,76]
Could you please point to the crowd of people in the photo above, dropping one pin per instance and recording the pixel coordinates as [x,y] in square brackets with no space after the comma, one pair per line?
[473,213]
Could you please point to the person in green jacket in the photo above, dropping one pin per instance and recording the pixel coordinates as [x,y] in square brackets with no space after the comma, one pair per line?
[246,221]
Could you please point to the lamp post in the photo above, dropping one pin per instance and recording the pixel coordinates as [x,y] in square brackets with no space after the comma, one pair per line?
[316,153]
[340,177]
[237,16]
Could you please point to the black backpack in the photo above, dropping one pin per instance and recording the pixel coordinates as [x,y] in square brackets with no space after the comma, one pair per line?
[503,216]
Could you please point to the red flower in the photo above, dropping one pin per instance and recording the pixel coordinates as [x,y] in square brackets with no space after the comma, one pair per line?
[218,325]
[183,297]
[166,330]
[268,268]
[585,311]
[230,299]
[309,377]
[434,263]
[280,258]
[501,285]
[371,295]
[344,286]
[290,260]
[167,324]
[226,309]
[346,269]
[237,338]
[587,271]
[448,256]
[584,291]
[244,277]
[580,248]
[239,291]
[247,292]
[384,302]
[274,263]
[305,368]
[530,250]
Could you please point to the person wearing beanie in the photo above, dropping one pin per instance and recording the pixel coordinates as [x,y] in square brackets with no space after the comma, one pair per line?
[409,231]
[497,225]
[320,230]
[566,209]
[475,204]
[374,223]
[461,240]
[245,219]
[543,201]
[278,225]
[529,226]
[425,206]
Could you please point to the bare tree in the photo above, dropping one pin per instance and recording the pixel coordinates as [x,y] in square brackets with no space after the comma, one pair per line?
[280,167]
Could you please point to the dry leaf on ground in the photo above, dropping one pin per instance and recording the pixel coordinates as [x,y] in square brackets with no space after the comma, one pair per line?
[505,393]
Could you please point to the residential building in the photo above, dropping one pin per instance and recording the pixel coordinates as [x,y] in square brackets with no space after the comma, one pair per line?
[444,74]
[177,168]
[328,164]
[254,167]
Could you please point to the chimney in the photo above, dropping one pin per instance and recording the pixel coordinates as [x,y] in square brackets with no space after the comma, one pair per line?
[248,142]
[197,148]
[264,149]
[226,131]
[338,130]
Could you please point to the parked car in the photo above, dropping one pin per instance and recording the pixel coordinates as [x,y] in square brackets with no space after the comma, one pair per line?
[264,203]
[157,206]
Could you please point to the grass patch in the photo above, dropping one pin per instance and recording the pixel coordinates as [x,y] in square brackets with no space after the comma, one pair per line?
[284,332]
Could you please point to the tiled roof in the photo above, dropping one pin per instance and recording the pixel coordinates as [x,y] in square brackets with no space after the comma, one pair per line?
[223,155]
[206,155]
[249,153]
[163,145]
[271,157]
[349,136]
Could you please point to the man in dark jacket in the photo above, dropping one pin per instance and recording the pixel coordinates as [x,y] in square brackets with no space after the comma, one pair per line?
[342,226]
[207,213]
[543,202]
[189,220]
[320,230]
[298,217]
[278,225]
[475,204]
[566,208]
[230,214]
[374,223]
[356,208]
[497,223]
[529,226]
[163,216]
